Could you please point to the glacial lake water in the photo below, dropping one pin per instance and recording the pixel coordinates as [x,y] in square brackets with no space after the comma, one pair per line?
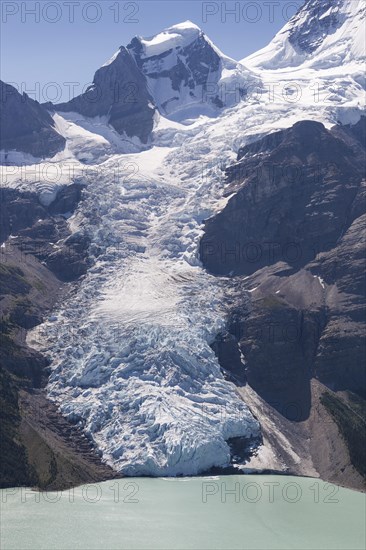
[247,512]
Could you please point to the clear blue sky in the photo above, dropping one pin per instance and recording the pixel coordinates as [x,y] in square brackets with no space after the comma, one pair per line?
[67,40]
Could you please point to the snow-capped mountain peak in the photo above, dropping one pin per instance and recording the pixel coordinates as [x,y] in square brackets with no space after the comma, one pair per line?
[178,72]
[322,34]
[179,35]
[186,74]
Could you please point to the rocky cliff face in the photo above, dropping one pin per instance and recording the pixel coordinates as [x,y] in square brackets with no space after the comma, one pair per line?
[178,73]
[314,23]
[118,92]
[35,230]
[185,72]
[26,126]
[291,238]
[304,182]
[321,35]
[39,447]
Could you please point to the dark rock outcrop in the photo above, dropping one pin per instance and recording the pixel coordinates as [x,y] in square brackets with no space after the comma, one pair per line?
[294,194]
[190,67]
[321,19]
[26,125]
[35,229]
[32,266]
[292,239]
[228,353]
[119,91]
[38,446]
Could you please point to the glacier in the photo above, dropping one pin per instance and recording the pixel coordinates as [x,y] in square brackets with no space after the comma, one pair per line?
[130,349]
[130,346]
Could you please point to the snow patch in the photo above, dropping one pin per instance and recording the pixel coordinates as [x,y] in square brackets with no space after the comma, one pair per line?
[321,281]
[179,35]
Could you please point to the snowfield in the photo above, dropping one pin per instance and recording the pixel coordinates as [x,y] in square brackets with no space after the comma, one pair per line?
[130,347]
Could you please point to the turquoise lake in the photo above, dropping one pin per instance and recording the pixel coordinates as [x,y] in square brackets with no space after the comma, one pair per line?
[248,512]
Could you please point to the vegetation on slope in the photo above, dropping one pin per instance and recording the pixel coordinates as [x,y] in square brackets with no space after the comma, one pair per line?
[351,420]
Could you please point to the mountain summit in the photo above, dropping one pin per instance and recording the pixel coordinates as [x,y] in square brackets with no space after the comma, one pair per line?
[322,34]
[187,75]
[179,35]
[178,71]
[118,92]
